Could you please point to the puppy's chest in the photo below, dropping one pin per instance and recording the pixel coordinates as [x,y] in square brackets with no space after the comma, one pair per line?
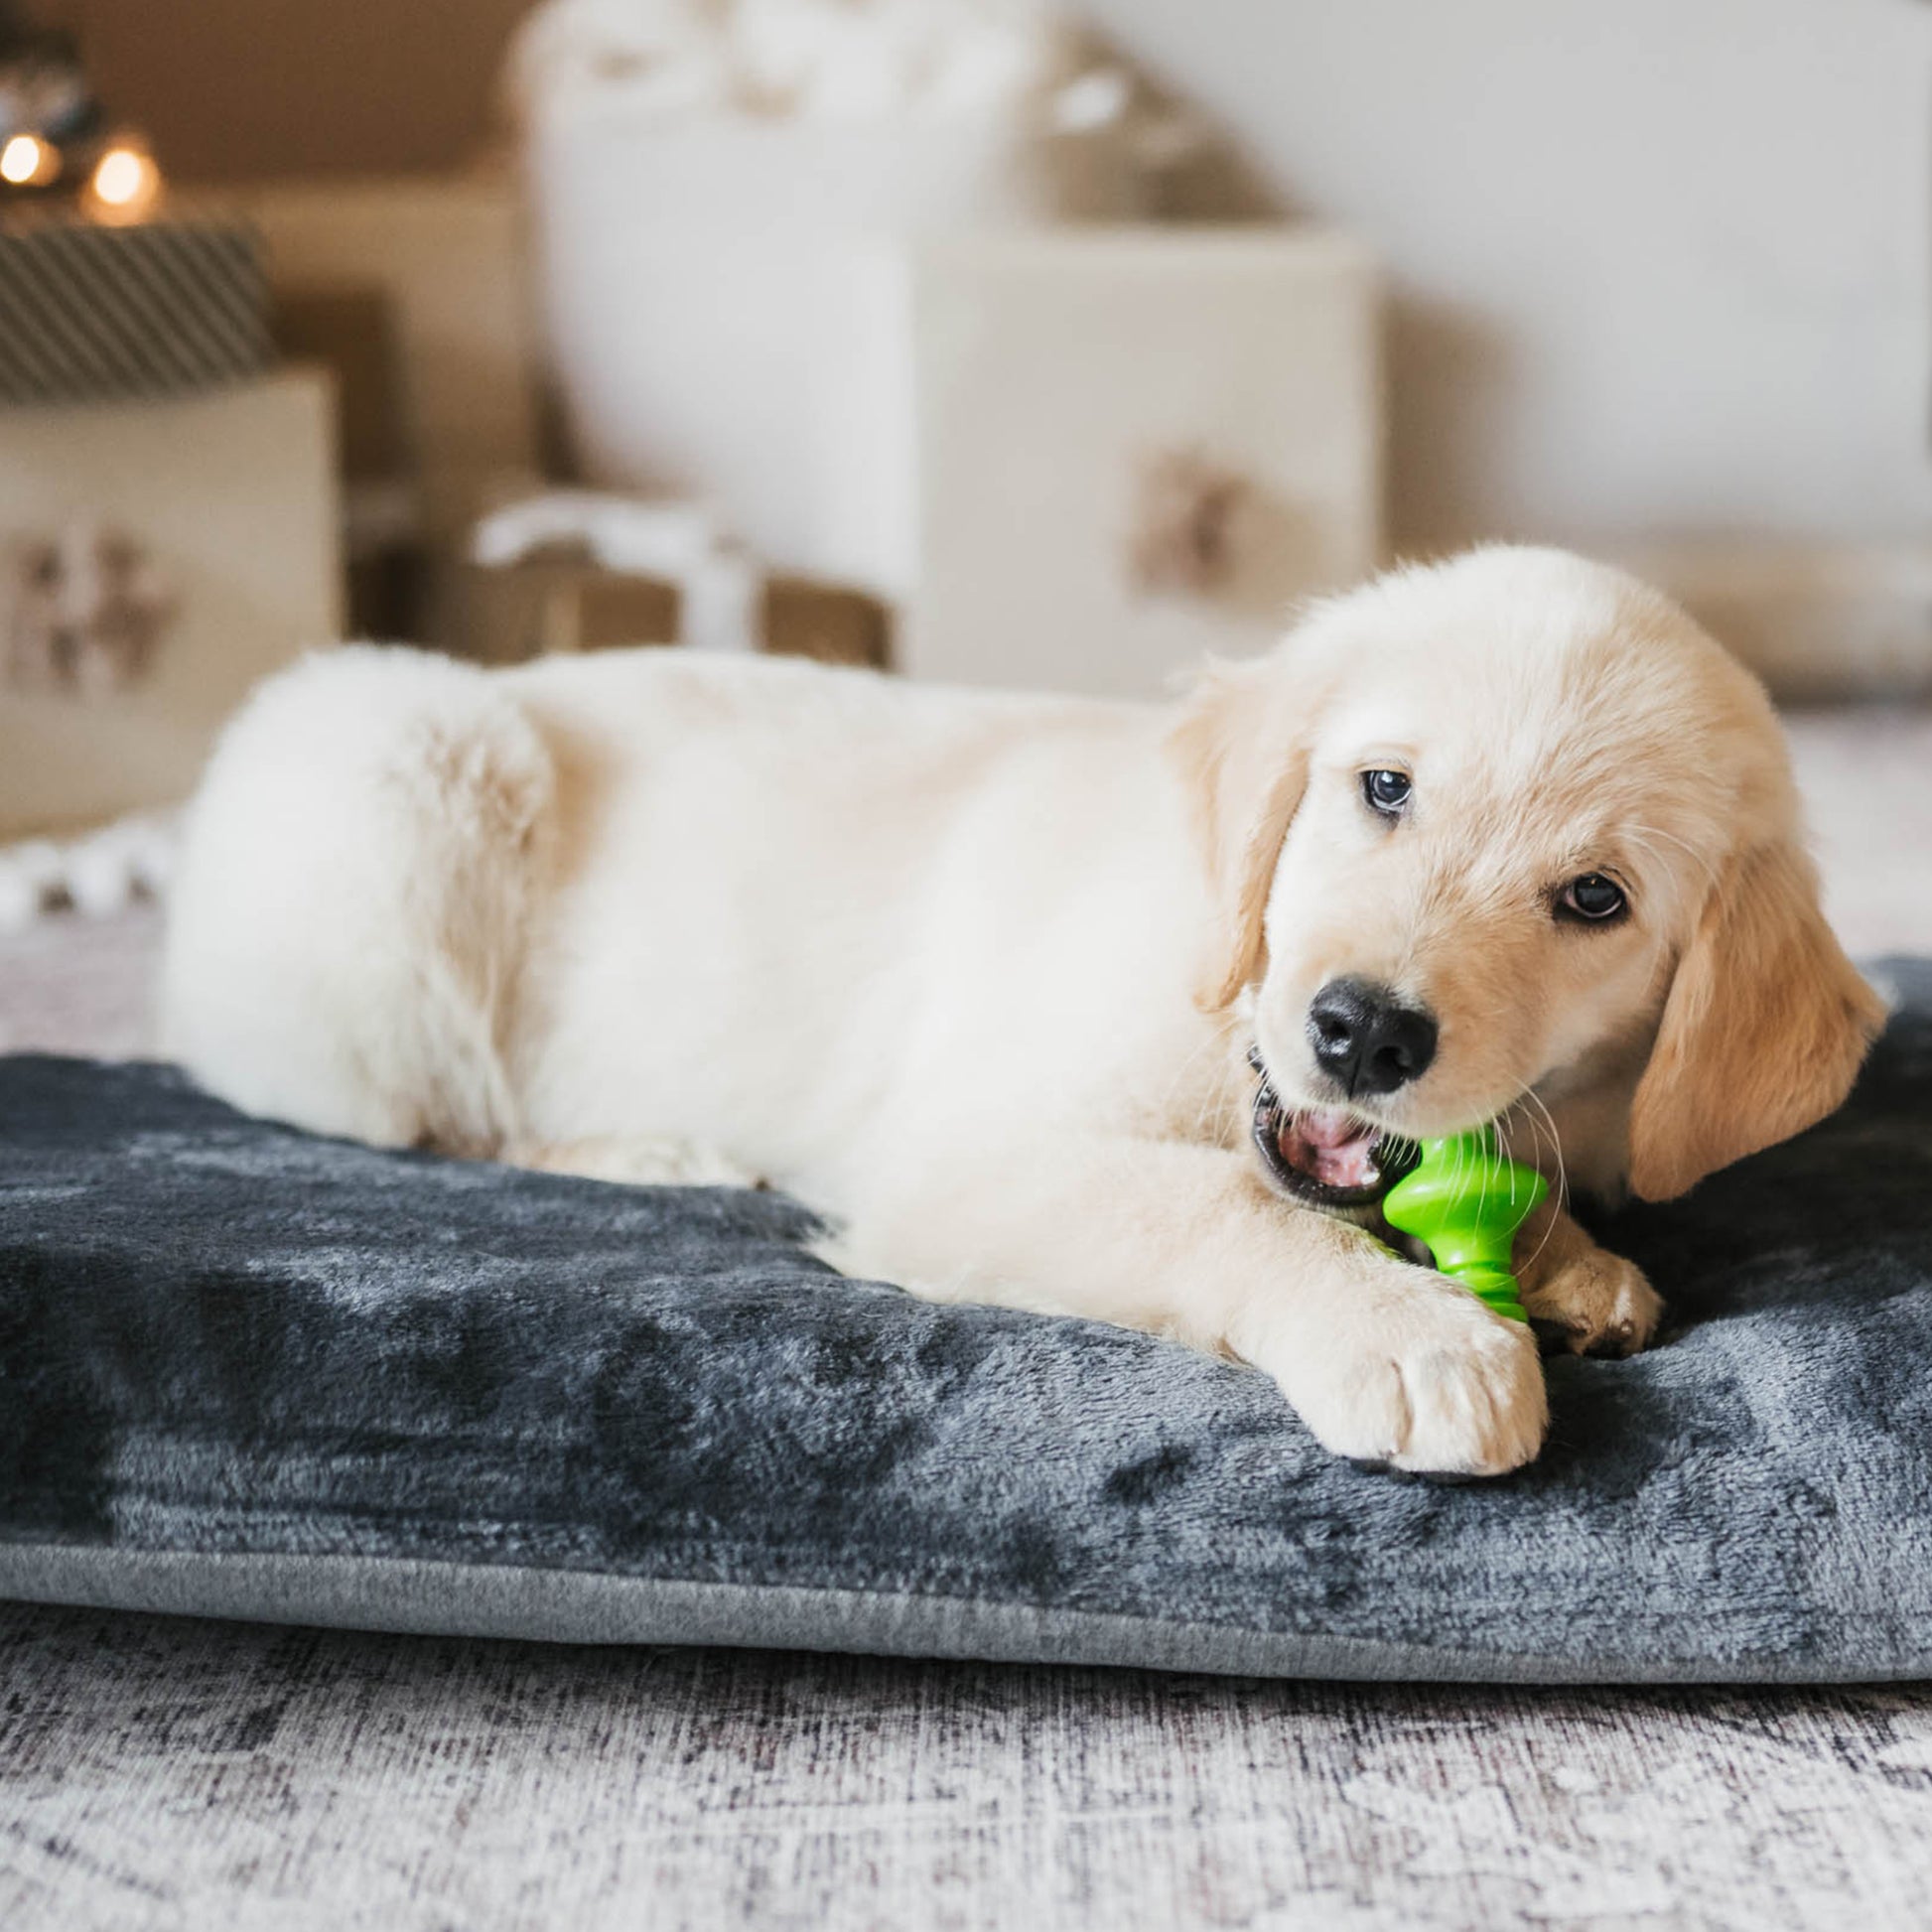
[1204,1103]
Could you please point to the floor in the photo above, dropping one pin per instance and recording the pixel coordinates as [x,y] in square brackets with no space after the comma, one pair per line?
[157,1773]
[160,1773]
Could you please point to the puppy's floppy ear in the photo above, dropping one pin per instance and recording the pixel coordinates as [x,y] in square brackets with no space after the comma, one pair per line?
[1242,750]
[1762,1033]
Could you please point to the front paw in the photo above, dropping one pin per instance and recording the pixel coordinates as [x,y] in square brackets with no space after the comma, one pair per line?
[1433,1383]
[1595,1303]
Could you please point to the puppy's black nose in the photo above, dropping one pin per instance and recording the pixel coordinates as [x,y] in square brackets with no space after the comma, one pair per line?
[1365,1038]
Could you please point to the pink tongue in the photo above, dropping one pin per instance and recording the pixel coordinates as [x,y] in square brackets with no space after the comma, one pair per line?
[1332,1147]
[1327,1127]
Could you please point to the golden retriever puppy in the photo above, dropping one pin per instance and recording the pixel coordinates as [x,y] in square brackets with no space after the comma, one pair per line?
[1123,1011]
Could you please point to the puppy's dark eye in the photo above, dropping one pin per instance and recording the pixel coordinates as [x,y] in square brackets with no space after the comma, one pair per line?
[1592,898]
[1386,791]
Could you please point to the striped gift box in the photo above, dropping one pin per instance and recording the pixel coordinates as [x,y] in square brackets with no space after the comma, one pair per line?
[91,314]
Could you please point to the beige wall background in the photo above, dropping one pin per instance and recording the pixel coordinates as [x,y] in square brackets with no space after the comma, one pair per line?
[242,89]
[1660,266]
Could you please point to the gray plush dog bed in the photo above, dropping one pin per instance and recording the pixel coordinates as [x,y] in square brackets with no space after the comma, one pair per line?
[245,1372]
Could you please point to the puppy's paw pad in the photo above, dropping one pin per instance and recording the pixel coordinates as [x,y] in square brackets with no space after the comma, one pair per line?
[1597,1304]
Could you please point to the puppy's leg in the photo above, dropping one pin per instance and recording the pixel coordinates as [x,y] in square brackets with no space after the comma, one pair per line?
[1385,1361]
[346,932]
[1582,1297]
[637,1162]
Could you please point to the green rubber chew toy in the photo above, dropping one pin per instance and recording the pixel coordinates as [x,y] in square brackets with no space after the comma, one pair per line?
[1464,1202]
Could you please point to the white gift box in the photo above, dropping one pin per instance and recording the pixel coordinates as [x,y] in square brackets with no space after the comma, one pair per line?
[1075,457]
[842,273]
[227,506]
[725,307]
[1135,446]
[724,197]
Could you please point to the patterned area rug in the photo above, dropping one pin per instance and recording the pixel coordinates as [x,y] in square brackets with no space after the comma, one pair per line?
[170,1774]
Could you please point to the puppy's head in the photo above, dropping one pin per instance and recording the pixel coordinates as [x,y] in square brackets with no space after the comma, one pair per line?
[1510,837]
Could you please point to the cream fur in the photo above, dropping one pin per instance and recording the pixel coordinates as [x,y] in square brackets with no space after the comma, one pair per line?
[976,974]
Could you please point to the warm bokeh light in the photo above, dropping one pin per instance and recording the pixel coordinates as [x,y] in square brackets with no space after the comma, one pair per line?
[121,176]
[125,183]
[25,159]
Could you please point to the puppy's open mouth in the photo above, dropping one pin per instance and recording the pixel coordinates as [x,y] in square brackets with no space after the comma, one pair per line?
[1327,1156]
